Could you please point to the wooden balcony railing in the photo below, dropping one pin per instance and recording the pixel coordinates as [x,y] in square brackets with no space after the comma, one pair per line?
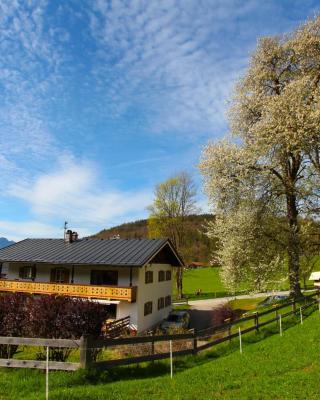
[73,290]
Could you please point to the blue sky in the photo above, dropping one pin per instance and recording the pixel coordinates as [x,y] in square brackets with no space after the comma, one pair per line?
[101,100]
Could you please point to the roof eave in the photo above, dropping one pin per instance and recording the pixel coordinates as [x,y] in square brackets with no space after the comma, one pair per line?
[167,242]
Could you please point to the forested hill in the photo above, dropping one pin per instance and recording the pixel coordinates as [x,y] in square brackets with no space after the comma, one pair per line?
[198,246]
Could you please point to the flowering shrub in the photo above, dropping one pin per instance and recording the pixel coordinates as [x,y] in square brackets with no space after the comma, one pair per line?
[223,314]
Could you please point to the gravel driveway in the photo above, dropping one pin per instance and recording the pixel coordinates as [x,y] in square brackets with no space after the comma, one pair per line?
[202,311]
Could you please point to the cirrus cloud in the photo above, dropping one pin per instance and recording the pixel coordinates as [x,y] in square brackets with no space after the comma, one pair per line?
[72,193]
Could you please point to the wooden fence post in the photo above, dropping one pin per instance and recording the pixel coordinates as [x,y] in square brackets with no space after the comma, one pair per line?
[229,333]
[256,321]
[85,351]
[152,348]
[294,305]
[228,320]
[195,342]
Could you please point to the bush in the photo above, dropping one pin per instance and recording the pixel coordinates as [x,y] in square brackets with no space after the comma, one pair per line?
[12,319]
[223,314]
[57,317]
[65,318]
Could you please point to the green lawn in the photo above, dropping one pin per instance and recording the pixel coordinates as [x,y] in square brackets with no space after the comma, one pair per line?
[209,281]
[282,368]
[246,304]
[206,279]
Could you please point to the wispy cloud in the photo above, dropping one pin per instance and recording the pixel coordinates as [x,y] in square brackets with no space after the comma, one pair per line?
[28,72]
[166,57]
[137,86]
[71,193]
[178,60]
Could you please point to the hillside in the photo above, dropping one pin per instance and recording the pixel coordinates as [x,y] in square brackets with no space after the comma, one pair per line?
[276,367]
[198,246]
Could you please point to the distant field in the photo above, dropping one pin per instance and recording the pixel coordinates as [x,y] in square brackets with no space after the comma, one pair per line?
[206,279]
[277,368]
[209,281]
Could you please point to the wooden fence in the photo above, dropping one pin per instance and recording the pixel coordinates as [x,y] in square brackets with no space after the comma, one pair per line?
[53,365]
[183,344]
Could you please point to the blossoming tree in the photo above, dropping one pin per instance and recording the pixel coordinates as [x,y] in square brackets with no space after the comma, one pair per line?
[264,177]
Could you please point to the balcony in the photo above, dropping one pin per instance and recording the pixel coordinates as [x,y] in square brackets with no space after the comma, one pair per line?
[73,290]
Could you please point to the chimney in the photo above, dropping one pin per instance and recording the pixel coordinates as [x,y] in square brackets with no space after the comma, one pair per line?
[68,236]
[74,236]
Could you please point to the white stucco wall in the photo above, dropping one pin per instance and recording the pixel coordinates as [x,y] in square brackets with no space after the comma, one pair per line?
[152,292]
[81,273]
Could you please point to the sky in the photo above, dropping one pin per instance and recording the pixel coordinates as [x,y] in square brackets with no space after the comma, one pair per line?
[101,100]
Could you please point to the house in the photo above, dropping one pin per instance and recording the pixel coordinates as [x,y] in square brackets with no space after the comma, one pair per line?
[315,277]
[132,277]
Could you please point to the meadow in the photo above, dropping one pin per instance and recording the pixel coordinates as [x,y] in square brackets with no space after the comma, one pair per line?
[208,280]
[271,367]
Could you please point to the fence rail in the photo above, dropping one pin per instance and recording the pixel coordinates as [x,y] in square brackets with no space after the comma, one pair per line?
[193,342]
[63,343]
[53,365]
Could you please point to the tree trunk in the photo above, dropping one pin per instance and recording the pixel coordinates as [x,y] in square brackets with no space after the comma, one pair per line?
[179,282]
[293,246]
[179,239]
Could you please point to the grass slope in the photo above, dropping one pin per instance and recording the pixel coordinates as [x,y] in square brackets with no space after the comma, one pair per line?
[277,367]
[206,279]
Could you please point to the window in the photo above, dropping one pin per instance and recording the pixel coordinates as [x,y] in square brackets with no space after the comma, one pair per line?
[168,275]
[161,276]
[104,277]
[59,275]
[149,277]
[168,301]
[27,272]
[160,303]
[148,308]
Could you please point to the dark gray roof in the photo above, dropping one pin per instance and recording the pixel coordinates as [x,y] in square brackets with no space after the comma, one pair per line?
[117,252]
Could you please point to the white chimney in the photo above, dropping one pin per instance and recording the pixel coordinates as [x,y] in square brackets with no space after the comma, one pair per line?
[74,236]
[68,236]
